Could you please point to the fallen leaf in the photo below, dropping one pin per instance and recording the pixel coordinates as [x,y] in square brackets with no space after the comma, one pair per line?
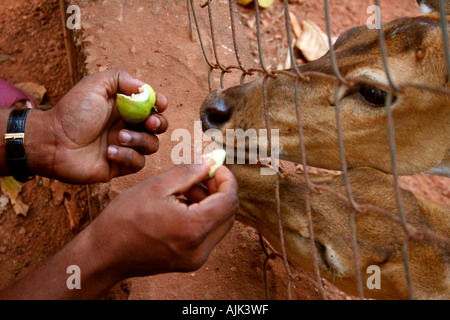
[20,208]
[311,40]
[10,187]
[3,202]
[36,90]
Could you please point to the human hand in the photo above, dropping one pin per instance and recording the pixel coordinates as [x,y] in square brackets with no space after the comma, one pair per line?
[146,230]
[92,143]
[149,229]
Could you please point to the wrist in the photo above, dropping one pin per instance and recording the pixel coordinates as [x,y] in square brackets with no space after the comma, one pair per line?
[49,280]
[40,142]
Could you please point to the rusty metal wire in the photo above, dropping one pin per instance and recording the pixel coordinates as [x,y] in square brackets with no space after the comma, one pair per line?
[410,231]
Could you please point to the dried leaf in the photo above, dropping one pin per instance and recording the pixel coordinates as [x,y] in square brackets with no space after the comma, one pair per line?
[3,202]
[311,40]
[20,208]
[10,187]
[37,91]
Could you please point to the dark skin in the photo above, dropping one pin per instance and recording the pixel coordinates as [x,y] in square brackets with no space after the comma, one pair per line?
[144,231]
[73,142]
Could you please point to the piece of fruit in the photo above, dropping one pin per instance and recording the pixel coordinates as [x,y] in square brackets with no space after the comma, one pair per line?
[262,3]
[215,159]
[137,107]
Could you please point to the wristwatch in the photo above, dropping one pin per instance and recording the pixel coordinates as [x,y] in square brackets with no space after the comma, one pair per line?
[15,151]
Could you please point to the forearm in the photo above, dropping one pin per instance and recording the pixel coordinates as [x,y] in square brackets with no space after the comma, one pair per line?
[50,280]
[39,142]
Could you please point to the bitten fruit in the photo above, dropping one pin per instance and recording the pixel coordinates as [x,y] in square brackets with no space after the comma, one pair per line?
[137,107]
[215,159]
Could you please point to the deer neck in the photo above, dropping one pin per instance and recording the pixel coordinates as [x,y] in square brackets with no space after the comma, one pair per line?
[443,169]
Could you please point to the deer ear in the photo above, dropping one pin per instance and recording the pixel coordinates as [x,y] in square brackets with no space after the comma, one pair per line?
[443,169]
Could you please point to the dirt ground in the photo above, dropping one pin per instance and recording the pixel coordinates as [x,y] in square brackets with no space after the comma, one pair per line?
[32,49]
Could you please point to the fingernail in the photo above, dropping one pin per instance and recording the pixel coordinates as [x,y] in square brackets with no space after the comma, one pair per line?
[125,137]
[112,151]
[155,122]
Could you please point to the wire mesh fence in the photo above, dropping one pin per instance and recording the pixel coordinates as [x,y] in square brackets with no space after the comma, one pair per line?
[392,88]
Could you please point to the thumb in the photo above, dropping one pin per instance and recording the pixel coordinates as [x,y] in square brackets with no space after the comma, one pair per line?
[182,178]
[117,80]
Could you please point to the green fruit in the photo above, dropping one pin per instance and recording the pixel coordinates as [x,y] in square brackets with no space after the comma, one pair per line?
[137,108]
[215,159]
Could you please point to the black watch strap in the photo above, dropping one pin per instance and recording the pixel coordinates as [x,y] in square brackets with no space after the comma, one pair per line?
[15,151]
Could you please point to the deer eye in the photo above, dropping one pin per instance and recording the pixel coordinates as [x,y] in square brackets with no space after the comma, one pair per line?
[373,95]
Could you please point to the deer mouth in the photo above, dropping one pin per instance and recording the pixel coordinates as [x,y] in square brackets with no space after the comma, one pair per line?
[326,257]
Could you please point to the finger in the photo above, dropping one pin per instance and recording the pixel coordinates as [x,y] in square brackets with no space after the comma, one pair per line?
[142,142]
[223,181]
[161,102]
[211,185]
[129,158]
[196,194]
[156,123]
[222,204]
[117,80]
[181,178]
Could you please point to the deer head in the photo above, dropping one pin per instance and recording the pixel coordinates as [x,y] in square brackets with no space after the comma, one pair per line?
[421,117]
[379,238]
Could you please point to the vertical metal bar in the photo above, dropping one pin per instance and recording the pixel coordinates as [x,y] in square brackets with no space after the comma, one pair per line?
[213,38]
[407,268]
[232,4]
[277,183]
[266,116]
[342,149]
[330,44]
[393,153]
[443,13]
[313,244]
[209,79]
[287,19]
[384,54]
[222,74]
[242,78]
[200,36]
[258,32]
[266,260]
[280,228]
[302,138]
[355,256]
[392,147]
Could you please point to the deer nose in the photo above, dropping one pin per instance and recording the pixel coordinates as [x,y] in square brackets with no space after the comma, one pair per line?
[215,112]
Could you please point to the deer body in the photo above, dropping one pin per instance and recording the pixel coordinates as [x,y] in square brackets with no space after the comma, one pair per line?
[421,123]
[380,239]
